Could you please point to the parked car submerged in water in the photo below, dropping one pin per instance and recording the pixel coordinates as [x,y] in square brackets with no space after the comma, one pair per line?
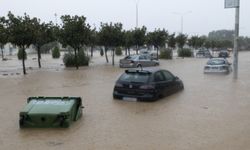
[218,65]
[224,54]
[203,53]
[134,61]
[146,85]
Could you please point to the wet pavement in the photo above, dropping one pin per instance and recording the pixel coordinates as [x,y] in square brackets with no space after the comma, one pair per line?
[212,113]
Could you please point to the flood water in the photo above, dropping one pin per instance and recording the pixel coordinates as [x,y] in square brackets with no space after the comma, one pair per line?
[211,113]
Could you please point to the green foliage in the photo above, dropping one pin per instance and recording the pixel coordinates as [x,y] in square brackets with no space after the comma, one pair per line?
[139,36]
[75,31]
[3,32]
[157,38]
[118,51]
[185,52]
[181,40]
[56,52]
[171,41]
[101,52]
[166,54]
[20,54]
[69,59]
[128,39]
[196,41]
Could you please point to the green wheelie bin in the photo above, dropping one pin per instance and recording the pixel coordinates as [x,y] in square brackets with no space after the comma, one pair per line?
[50,112]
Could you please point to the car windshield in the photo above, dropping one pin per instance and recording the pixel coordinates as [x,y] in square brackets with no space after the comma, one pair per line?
[131,57]
[135,77]
[216,62]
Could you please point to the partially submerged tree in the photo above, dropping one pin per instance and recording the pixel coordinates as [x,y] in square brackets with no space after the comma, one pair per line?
[21,31]
[75,32]
[3,34]
[111,36]
[43,35]
[139,37]
[158,39]
[128,41]
[181,40]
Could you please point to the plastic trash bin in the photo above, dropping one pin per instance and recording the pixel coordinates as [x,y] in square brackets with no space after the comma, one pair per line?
[50,112]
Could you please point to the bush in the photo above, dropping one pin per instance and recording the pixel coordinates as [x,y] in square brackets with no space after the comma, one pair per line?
[185,52]
[56,52]
[166,54]
[69,59]
[118,51]
[101,52]
[20,54]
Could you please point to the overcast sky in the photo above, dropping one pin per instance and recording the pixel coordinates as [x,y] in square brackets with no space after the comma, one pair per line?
[205,16]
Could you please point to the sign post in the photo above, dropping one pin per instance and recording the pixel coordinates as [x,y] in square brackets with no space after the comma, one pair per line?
[235,4]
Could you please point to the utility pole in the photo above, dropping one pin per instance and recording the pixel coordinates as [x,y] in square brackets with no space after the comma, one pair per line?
[136,12]
[236,41]
[235,4]
[182,18]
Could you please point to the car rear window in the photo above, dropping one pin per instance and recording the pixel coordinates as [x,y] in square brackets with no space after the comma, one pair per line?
[135,77]
[216,62]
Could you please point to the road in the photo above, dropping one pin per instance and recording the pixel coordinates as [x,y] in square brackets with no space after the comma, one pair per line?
[212,113]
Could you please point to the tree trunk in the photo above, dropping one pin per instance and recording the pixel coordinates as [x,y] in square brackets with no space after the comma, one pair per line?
[126,51]
[113,56]
[23,60]
[39,56]
[137,47]
[2,54]
[91,49]
[129,51]
[157,52]
[106,56]
[76,62]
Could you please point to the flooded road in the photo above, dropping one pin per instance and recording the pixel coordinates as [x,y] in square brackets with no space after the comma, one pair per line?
[211,113]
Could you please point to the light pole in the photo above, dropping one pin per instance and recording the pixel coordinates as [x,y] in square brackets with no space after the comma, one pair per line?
[182,17]
[136,11]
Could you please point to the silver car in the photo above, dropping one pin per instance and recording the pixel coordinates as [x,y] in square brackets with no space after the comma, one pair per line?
[134,61]
[217,65]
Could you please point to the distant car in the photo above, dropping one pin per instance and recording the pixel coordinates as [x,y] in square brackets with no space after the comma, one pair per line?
[218,65]
[152,54]
[134,61]
[224,54]
[204,53]
[146,85]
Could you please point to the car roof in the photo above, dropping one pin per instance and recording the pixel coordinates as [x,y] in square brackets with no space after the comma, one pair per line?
[144,70]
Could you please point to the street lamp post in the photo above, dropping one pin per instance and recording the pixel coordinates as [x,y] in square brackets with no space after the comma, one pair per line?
[137,3]
[182,18]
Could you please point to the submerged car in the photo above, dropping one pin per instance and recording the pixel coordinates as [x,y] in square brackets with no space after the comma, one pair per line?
[218,65]
[224,54]
[203,53]
[134,61]
[146,85]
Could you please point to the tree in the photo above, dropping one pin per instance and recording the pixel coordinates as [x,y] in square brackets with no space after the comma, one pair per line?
[111,36]
[196,41]
[75,32]
[128,41]
[43,35]
[93,40]
[3,34]
[181,40]
[171,41]
[158,38]
[21,31]
[139,37]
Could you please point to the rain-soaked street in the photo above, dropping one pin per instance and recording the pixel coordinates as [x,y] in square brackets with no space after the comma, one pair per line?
[211,113]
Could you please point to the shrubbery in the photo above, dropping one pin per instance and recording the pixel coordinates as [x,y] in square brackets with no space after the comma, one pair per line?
[185,52]
[20,54]
[69,59]
[118,51]
[56,52]
[166,54]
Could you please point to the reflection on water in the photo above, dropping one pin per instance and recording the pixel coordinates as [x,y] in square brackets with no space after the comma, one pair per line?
[211,113]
